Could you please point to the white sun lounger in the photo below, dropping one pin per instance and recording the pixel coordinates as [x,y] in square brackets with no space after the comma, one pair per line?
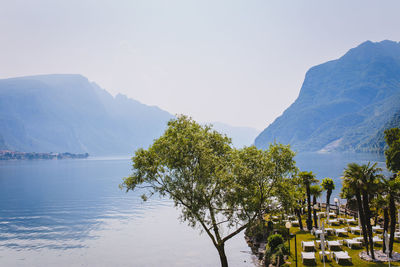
[341,255]
[352,243]
[351,221]
[377,228]
[340,231]
[327,255]
[333,222]
[333,244]
[308,256]
[376,239]
[354,229]
[307,245]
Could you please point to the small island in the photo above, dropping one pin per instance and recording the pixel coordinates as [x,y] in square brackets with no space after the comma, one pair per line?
[15,155]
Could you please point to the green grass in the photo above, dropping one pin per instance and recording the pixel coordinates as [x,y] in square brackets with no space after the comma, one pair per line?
[306,236]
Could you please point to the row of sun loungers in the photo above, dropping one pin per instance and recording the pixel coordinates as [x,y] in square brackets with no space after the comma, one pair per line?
[338,256]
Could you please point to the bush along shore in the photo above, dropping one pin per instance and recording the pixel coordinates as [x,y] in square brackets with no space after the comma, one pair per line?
[14,155]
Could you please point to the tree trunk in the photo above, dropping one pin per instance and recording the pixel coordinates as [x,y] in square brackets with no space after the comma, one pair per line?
[222,255]
[315,212]
[385,226]
[298,213]
[328,197]
[367,214]
[309,220]
[392,210]
[362,220]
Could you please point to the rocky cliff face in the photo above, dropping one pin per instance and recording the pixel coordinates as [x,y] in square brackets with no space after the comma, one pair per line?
[343,102]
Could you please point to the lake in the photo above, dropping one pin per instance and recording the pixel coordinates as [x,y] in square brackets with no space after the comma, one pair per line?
[72,213]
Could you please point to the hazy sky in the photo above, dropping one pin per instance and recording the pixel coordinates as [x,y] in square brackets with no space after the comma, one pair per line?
[238,62]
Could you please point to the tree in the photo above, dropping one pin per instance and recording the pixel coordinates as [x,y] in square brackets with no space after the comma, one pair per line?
[363,182]
[392,154]
[328,185]
[315,191]
[218,189]
[308,178]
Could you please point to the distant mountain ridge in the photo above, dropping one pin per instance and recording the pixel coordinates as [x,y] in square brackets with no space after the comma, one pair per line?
[241,136]
[343,104]
[67,113]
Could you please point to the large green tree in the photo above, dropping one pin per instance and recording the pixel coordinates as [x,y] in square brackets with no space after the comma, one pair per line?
[217,187]
[307,179]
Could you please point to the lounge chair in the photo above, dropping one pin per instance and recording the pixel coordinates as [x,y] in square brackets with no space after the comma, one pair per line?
[340,231]
[333,244]
[351,221]
[308,245]
[327,255]
[354,230]
[309,257]
[333,222]
[341,256]
[352,243]
[377,229]
[377,239]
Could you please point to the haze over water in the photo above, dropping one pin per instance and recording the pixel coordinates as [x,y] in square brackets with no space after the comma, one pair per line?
[72,213]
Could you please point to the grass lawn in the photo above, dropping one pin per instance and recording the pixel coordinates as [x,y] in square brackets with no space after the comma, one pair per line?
[306,236]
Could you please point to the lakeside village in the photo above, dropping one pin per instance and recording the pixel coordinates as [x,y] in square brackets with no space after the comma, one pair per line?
[14,155]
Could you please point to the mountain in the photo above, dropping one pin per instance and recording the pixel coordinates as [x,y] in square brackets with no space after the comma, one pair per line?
[67,113]
[342,103]
[241,136]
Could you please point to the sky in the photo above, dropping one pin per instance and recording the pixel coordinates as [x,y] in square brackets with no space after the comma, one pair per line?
[236,62]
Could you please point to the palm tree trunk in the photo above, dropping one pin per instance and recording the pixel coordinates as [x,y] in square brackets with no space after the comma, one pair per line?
[309,220]
[298,213]
[392,210]
[362,220]
[315,212]
[328,197]
[385,226]
[367,213]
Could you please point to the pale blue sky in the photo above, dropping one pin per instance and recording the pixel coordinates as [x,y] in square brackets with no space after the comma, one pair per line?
[238,62]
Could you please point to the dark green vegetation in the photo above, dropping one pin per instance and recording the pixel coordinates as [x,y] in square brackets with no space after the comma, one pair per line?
[68,113]
[344,104]
[219,189]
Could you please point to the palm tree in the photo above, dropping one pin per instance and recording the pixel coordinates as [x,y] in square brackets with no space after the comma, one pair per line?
[363,182]
[392,154]
[328,185]
[308,178]
[315,191]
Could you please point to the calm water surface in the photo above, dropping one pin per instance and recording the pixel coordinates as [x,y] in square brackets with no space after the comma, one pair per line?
[72,213]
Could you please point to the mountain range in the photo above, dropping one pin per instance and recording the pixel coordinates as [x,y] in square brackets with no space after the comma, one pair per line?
[68,113]
[344,104]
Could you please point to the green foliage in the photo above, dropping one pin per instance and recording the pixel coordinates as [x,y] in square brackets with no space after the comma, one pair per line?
[258,230]
[316,190]
[216,186]
[275,250]
[328,184]
[274,241]
[307,178]
[392,153]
